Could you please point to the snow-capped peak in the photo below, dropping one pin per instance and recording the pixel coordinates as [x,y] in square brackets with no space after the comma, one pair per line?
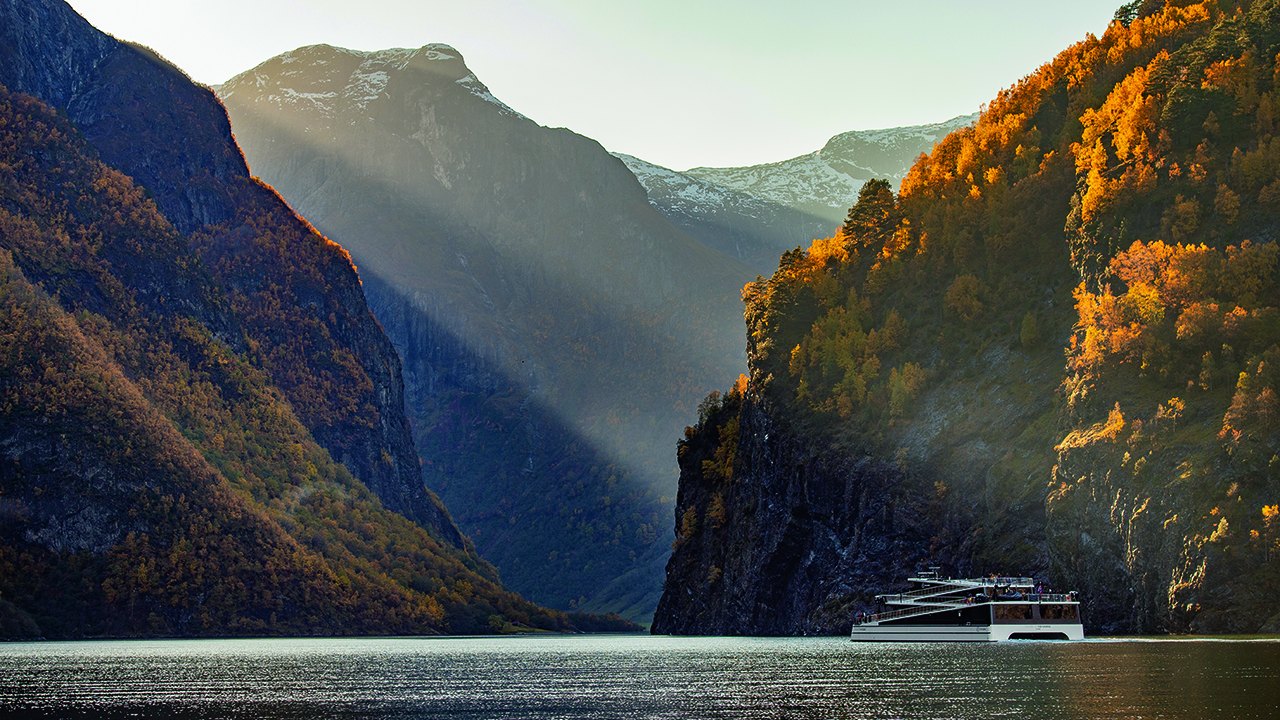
[826,182]
[822,184]
[332,81]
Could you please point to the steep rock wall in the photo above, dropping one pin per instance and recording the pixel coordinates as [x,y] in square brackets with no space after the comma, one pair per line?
[802,538]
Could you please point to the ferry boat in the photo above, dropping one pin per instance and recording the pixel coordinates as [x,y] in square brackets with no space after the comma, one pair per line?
[971,610]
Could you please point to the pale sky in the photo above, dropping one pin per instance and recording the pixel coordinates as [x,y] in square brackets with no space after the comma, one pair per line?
[680,83]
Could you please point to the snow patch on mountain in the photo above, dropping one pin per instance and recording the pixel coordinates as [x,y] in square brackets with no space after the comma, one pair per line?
[477,88]
[826,182]
[675,191]
[331,81]
[439,52]
[366,84]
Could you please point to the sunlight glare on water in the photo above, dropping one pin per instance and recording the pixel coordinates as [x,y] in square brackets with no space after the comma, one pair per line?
[638,677]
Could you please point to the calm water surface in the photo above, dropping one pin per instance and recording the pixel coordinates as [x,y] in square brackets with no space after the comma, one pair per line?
[638,677]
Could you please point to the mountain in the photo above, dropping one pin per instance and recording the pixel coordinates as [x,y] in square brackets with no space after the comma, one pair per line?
[145,118]
[734,222]
[185,361]
[756,213]
[825,183]
[554,326]
[908,403]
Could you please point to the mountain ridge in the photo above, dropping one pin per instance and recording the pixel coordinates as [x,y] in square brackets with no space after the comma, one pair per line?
[758,212]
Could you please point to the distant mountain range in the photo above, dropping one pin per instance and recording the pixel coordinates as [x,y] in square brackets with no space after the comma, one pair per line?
[825,182]
[756,213]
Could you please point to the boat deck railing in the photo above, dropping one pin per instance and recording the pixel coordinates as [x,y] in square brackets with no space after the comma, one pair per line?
[942,587]
[999,581]
[996,581]
[917,598]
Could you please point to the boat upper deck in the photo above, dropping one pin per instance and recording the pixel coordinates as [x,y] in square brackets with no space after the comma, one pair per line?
[933,586]
[936,594]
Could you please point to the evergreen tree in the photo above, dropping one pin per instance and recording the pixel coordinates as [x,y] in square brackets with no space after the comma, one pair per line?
[874,216]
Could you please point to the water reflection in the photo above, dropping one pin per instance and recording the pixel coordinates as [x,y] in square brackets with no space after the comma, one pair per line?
[637,677]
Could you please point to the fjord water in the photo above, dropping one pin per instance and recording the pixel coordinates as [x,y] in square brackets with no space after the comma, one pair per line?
[638,677]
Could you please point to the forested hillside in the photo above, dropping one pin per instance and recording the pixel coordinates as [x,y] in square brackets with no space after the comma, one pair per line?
[295,295]
[182,359]
[908,399]
[154,481]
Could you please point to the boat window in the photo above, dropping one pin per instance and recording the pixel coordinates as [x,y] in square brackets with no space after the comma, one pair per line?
[1058,612]
[1013,611]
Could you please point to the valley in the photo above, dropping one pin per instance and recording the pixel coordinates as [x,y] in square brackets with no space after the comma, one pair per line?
[554,320]
[348,345]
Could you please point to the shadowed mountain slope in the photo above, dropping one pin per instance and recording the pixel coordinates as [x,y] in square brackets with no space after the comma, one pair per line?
[154,480]
[554,326]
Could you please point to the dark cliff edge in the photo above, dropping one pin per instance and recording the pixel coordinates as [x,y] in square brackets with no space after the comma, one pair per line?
[793,542]
[147,119]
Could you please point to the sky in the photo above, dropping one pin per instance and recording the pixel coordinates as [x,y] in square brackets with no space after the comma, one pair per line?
[681,83]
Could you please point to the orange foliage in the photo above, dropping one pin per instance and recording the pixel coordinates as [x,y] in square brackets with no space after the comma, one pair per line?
[1176,296]
[1003,123]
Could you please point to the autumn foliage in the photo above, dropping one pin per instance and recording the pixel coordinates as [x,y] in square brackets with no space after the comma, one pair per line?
[1119,206]
[154,479]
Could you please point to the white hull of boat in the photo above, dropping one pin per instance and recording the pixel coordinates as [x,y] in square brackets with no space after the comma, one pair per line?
[961,633]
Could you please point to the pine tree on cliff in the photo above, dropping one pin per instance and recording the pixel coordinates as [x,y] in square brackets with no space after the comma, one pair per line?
[874,216]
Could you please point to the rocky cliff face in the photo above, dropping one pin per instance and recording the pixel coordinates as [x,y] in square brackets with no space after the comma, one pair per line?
[50,51]
[555,325]
[799,538]
[1160,527]
[146,118]
[813,524]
